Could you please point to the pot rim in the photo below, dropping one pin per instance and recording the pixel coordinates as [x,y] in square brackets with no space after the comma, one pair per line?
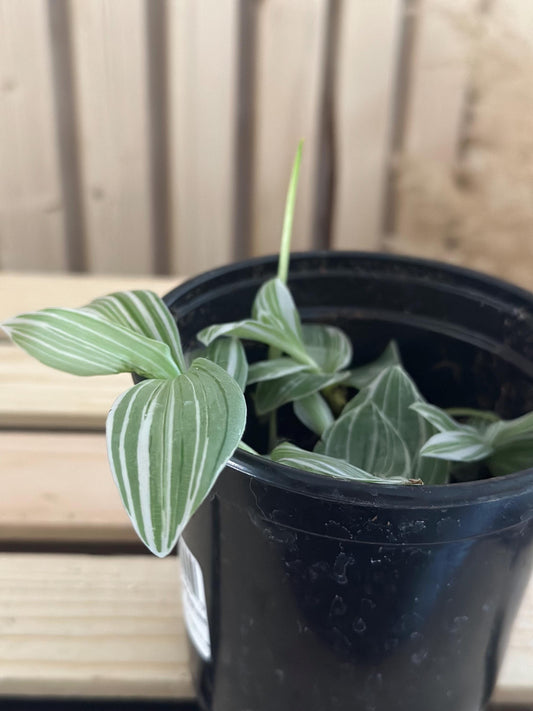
[317,486]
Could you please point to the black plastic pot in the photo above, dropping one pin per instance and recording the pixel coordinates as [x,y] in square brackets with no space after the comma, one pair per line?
[325,596]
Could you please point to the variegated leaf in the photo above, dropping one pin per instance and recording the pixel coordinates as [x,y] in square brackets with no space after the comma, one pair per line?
[275,393]
[272,369]
[328,346]
[293,456]
[366,438]
[313,411]
[274,304]
[440,420]
[229,354]
[167,442]
[144,312]
[363,375]
[458,446]
[85,343]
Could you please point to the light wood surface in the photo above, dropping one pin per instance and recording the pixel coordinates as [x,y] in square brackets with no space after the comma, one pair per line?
[32,227]
[110,56]
[74,625]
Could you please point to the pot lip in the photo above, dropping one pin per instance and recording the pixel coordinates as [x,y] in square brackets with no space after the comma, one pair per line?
[316,486]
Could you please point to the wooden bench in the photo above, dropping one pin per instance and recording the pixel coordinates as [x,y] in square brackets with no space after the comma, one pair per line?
[76,624]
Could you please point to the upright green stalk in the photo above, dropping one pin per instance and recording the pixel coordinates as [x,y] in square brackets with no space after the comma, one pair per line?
[283,263]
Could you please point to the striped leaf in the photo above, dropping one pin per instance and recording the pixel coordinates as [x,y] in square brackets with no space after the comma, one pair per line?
[275,393]
[328,346]
[459,446]
[274,304]
[144,312]
[367,439]
[229,354]
[167,442]
[314,412]
[85,343]
[440,420]
[272,369]
[363,375]
[293,456]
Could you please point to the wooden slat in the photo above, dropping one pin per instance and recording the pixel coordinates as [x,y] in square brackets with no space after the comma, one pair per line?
[366,71]
[110,54]
[34,396]
[73,625]
[82,626]
[32,227]
[58,487]
[291,53]
[27,292]
[203,115]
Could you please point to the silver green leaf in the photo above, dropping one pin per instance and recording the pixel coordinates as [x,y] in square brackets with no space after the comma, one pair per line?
[274,304]
[505,432]
[465,445]
[144,312]
[367,439]
[272,369]
[440,420]
[293,456]
[229,354]
[275,393]
[313,411]
[85,343]
[513,457]
[328,346]
[363,375]
[167,442]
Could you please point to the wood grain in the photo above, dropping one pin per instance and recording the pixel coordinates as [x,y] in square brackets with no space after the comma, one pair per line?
[110,56]
[74,625]
[366,72]
[32,224]
[203,116]
[291,52]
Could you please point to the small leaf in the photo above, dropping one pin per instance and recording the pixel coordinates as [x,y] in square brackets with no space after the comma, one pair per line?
[293,456]
[328,346]
[363,375]
[275,393]
[313,411]
[459,446]
[84,343]
[506,431]
[272,369]
[274,304]
[366,438]
[167,442]
[230,355]
[440,420]
[143,312]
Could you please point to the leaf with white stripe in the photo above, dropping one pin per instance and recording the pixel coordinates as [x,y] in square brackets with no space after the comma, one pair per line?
[272,369]
[292,456]
[363,375]
[328,346]
[229,354]
[440,420]
[275,393]
[142,311]
[84,343]
[274,304]
[167,442]
[314,412]
[459,446]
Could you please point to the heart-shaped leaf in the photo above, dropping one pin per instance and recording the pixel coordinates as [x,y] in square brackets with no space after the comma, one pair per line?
[314,412]
[328,346]
[275,393]
[144,312]
[293,456]
[367,439]
[167,442]
[86,343]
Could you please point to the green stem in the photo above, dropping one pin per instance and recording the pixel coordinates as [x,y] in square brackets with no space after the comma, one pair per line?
[285,248]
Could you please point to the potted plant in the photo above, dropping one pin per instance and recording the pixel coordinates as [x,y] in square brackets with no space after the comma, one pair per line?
[356,540]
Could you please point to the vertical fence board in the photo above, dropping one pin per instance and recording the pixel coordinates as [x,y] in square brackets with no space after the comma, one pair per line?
[203,106]
[32,228]
[436,100]
[291,51]
[110,52]
[366,70]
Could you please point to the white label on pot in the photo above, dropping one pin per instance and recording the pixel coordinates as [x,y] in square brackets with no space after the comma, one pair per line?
[194,604]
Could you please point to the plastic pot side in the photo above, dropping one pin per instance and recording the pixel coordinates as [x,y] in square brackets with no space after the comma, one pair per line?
[321,595]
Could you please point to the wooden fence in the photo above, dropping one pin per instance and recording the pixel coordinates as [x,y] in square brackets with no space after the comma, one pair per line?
[156,136]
